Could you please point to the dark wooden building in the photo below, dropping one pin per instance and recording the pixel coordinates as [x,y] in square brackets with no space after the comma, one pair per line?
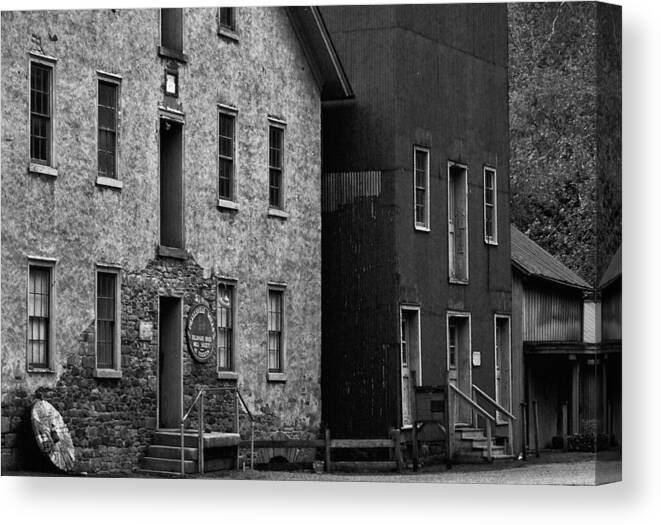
[560,363]
[416,281]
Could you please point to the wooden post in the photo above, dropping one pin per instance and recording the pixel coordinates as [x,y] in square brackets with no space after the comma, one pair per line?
[510,437]
[489,442]
[414,445]
[200,437]
[449,426]
[565,445]
[536,422]
[575,428]
[236,424]
[327,449]
[524,433]
[397,448]
[604,396]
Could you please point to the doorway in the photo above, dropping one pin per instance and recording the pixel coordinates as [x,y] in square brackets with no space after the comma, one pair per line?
[410,359]
[170,342]
[459,361]
[503,368]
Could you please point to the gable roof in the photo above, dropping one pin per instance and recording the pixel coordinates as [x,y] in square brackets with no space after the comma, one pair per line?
[614,269]
[318,47]
[531,259]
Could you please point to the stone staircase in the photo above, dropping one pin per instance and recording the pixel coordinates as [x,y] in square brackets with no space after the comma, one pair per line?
[471,445]
[164,455]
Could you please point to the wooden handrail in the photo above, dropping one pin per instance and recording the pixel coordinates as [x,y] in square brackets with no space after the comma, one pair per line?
[472,403]
[494,403]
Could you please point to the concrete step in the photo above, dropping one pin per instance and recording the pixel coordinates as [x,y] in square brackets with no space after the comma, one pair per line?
[157,473]
[168,465]
[167,452]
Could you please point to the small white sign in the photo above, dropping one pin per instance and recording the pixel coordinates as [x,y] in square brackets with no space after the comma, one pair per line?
[170,84]
[477,358]
[146,331]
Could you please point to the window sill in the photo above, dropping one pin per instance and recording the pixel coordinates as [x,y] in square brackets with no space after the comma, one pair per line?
[172,53]
[276,377]
[107,373]
[109,182]
[421,228]
[280,214]
[228,375]
[175,253]
[229,34]
[45,371]
[463,282]
[227,205]
[42,169]
[490,242]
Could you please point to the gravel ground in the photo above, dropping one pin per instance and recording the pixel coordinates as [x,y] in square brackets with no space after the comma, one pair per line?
[552,468]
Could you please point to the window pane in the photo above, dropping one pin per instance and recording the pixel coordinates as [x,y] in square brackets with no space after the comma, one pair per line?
[171,29]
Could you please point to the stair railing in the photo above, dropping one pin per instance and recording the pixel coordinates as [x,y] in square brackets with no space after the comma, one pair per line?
[459,395]
[477,391]
[201,394]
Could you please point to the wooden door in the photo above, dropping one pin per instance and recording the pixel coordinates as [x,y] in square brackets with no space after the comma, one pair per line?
[459,363]
[405,369]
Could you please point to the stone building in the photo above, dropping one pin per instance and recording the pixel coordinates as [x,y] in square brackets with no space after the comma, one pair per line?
[171,168]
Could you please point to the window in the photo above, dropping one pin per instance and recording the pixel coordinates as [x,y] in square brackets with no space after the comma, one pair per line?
[452,344]
[276,135]
[490,209]
[225,315]
[227,18]
[226,156]
[41,112]
[108,354]
[172,34]
[40,340]
[275,331]
[457,223]
[421,188]
[107,124]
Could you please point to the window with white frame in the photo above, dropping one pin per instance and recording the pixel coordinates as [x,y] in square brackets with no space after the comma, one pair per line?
[276,166]
[41,111]
[225,316]
[226,155]
[275,330]
[108,118]
[40,315]
[421,187]
[108,353]
[490,207]
[457,222]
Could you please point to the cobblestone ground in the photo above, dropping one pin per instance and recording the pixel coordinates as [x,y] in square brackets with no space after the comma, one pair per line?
[551,468]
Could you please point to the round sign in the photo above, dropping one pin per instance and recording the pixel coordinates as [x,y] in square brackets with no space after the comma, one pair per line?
[200,333]
[53,435]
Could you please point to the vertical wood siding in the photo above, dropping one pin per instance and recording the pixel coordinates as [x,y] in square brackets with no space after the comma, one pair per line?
[552,313]
[611,313]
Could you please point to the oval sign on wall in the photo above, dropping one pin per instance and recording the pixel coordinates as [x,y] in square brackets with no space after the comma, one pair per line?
[200,333]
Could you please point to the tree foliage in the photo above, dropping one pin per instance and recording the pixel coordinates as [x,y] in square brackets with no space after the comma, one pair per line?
[554,133]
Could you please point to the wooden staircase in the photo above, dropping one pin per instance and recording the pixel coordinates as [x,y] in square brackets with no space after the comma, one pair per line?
[471,445]
[164,455]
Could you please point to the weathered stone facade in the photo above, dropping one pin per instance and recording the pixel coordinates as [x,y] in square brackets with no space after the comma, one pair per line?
[262,72]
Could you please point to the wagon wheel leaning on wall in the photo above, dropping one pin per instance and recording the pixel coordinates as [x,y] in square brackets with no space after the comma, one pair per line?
[52,435]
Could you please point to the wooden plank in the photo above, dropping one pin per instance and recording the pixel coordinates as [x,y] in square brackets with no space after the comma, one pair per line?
[361,443]
[397,446]
[535,415]
[327,449]
[284,443]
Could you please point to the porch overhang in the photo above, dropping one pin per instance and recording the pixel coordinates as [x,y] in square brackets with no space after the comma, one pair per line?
[571,348]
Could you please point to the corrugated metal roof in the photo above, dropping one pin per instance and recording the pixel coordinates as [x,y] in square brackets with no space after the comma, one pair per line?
[532,259]
[614,269]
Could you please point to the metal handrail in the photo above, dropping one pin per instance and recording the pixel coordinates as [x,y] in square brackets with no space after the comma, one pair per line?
[200,451]
[496,405]
[472,403]
[511,417]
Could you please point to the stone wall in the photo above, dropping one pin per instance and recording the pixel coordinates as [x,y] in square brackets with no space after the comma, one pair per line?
[81,224]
